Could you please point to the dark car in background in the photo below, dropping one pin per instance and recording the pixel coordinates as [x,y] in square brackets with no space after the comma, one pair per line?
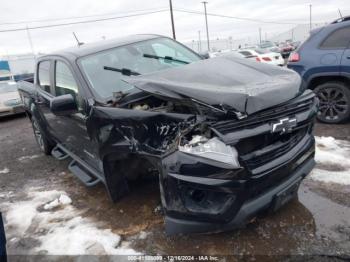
[323,61]
[285,49]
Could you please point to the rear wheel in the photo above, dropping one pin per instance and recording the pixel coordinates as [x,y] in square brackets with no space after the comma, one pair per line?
[40,138]
[334,100]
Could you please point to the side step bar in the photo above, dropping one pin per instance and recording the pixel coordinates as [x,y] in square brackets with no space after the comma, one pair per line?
[86,174]
[58,153]
[83,175]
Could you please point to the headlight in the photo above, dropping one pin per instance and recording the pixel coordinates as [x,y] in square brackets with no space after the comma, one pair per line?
[13,102]
[211,149]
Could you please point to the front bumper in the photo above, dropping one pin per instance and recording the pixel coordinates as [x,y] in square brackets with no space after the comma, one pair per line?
[206,196]
[243,207]
[246,212]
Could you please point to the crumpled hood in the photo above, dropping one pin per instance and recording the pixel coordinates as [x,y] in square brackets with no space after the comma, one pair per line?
[246,86]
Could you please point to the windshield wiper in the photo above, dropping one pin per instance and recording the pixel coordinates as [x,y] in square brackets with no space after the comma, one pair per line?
[123,71]
[165,58]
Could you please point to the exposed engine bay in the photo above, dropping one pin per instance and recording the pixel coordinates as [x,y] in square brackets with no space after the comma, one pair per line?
[156,104]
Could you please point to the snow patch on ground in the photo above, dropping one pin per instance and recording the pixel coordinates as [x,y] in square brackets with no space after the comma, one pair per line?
[333,153]
[331,177]
[27,158]
[60,231]
[6,194]
[4,171]
[143,235]
[62,200]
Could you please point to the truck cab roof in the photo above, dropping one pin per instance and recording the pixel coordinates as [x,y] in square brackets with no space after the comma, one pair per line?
[73,53]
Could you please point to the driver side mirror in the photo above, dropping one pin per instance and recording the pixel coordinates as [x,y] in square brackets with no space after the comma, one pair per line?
[63,105]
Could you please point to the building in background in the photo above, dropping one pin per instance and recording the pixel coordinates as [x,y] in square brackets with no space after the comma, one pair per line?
[218,44]
[5,72]
[298,33]
[16,67]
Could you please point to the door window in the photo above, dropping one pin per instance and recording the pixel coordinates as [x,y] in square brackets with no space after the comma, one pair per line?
[339,39]
[246,53]
[65,82]
[44,76]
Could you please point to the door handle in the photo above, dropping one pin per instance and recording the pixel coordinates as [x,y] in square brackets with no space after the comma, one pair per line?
[348,57]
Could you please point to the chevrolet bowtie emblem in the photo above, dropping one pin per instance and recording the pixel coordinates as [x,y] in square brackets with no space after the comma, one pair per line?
[284,125]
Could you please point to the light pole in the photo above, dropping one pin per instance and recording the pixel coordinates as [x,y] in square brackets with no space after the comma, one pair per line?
[206,23]
[259,35]
[199,41]
[172,18]
[310,18]
[30,41]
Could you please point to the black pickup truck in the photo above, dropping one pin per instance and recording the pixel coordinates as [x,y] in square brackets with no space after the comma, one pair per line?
[227,137]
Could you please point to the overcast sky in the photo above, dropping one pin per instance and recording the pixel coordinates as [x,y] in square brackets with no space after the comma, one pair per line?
[288,12]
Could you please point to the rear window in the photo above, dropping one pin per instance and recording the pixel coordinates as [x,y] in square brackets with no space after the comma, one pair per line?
[44,76]
[261,52]
[312,34]
[246,53]
[339,39]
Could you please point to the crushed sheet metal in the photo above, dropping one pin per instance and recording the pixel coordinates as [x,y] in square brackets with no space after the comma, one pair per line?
[150,132]
[226,82]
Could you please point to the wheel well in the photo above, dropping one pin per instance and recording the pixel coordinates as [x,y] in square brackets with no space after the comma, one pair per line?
[324,79]
[120,170]
[29,114]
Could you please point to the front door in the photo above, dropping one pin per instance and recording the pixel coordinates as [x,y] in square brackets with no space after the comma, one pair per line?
[71,129]
[44,96]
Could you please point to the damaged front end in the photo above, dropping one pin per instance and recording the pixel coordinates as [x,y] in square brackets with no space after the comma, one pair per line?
[222,153]
[220,183]
[216,171]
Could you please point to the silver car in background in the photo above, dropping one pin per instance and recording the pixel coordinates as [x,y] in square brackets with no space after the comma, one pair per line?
[10,101]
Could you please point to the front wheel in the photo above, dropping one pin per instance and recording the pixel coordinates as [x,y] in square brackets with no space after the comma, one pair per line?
[334,100]
[40,138]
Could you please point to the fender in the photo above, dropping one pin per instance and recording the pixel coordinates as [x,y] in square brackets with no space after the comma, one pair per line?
[123,134]
[309,76]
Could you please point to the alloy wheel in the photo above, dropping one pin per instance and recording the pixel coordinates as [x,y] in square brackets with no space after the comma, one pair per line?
[333,103]
[38,136]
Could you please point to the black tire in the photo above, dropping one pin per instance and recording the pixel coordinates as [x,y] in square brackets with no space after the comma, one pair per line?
[40,137]
[334,102]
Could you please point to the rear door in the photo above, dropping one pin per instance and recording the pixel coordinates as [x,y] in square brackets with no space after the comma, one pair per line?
[334,46]
[345,63]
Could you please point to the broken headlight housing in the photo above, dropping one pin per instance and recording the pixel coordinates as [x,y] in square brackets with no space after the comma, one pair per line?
[213,149]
